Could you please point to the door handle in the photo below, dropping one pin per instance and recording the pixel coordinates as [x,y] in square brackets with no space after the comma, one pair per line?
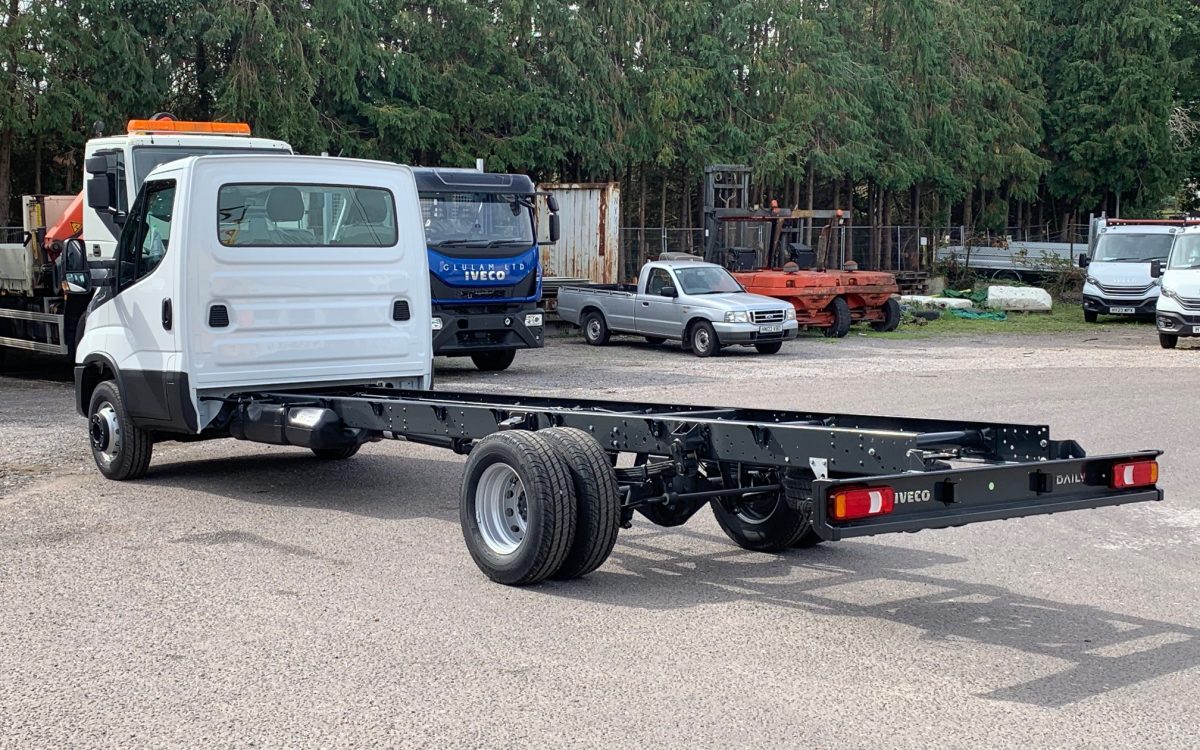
[166,313]
[645,304]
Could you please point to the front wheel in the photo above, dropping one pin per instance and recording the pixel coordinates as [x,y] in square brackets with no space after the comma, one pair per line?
[703,339]
[120,449]
[494,361]
[1090,316]
[335,454]
[840,310]
[1168,340]
[772,347]
[891,317]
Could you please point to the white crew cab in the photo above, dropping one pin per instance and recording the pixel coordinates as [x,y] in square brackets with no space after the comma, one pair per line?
[236,272]
[1178,310]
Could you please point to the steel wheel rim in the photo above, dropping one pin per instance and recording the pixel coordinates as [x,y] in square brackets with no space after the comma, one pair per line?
[501,509]
[593,329]
[105,431]
[703,340]
[759,510]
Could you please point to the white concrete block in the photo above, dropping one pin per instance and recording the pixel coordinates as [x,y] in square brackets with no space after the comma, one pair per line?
[1029,299]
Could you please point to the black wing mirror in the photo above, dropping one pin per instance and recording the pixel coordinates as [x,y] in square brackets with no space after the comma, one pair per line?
[669,291]
[555,228]
[1156,269]
[98,195]
[1084,260]
[77,277]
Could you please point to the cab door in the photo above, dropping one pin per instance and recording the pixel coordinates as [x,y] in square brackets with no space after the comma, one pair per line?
[658,315]
[144,307]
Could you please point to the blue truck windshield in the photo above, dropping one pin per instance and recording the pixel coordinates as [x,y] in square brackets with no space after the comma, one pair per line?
[1132,248]
[464,223]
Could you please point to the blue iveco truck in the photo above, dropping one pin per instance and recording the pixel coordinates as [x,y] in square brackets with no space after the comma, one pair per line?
[484,272]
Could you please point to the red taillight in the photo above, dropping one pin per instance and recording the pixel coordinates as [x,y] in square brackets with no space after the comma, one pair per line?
[1134,474]
[862,502]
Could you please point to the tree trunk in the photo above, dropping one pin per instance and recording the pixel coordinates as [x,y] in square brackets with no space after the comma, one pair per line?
[849,222]
[808,203]
[968,218]
[885,221]
[6,150]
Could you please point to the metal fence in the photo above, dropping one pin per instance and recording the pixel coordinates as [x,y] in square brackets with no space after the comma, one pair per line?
[12,235]
[891,248]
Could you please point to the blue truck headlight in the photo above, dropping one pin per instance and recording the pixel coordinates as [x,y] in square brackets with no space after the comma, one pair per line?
[737,316]
[437,323]
[533,320]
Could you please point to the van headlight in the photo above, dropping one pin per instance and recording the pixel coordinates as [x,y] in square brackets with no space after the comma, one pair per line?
[738,316]
[789,314]
[1169,292]
[437,324]
[1091,280]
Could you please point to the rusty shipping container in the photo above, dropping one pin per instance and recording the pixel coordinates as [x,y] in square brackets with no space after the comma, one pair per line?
[589,247]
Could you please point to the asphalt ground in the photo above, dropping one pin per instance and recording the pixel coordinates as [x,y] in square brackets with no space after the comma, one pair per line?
[245,595]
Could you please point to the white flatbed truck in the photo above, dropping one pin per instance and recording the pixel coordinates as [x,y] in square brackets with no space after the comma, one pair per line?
[249,301]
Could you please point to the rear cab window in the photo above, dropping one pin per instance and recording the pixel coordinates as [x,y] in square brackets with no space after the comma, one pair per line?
[298,215]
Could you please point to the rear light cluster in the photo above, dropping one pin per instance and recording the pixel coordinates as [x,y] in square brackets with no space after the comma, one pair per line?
[862,502]
[1134,474]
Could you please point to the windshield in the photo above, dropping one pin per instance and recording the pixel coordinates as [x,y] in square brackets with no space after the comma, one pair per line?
[707,280]
[146,158]
[1132,248]
[1185,253]
[477,220]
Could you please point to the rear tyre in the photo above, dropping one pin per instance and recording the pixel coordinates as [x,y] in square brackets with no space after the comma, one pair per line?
[121,450]
[335,454]
[765,523]
[840,310]
[494,361]
[595,330]
[703,339]
[769,348]
[598,501]
[654,340]
[891,316]
[1168,340]
[1090,316]
[517,508]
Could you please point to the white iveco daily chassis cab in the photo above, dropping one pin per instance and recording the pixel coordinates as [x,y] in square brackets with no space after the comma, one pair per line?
[285,300]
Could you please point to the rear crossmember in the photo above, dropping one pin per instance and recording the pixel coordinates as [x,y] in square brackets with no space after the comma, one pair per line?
[774,478]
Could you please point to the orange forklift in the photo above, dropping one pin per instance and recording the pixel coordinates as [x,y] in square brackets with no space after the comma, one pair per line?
[763,249]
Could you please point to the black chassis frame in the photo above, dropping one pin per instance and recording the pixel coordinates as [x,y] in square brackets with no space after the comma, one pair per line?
[688,455]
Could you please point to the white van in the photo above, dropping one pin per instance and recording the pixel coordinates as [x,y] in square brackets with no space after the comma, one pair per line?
[1178,310]
[1118,270]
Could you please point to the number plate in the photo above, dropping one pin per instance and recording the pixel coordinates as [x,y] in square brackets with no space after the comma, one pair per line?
[770,329]
[1196,330]
[1122,310]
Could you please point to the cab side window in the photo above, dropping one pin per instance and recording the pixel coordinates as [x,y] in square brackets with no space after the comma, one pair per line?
[659,278]
[145,238]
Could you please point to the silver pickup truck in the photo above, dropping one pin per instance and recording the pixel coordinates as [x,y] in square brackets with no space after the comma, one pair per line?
[697,303]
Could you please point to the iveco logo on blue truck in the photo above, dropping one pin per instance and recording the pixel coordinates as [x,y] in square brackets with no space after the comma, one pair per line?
[484,273]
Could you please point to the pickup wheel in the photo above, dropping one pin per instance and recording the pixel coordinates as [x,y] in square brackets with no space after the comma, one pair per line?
[772,347]
[1090,316]
[703,339]
[494,361]
[121,450]
[598,500]
[768,522]
[595,330]
[1168,340]
[335,454]
[840,310]
[891,317]
[517,508]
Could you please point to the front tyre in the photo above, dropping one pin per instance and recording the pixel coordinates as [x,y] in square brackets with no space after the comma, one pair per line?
[1090,316]
[1168,340]
[517,508]
[772,347]
[335,454]
[891,317]
[840,310]
[703,339]
[494,361]
[121,450]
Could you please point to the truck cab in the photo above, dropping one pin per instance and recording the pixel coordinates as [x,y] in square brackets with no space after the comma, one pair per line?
[198,301]
[1118,278]
[484,267]
[1177,312]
